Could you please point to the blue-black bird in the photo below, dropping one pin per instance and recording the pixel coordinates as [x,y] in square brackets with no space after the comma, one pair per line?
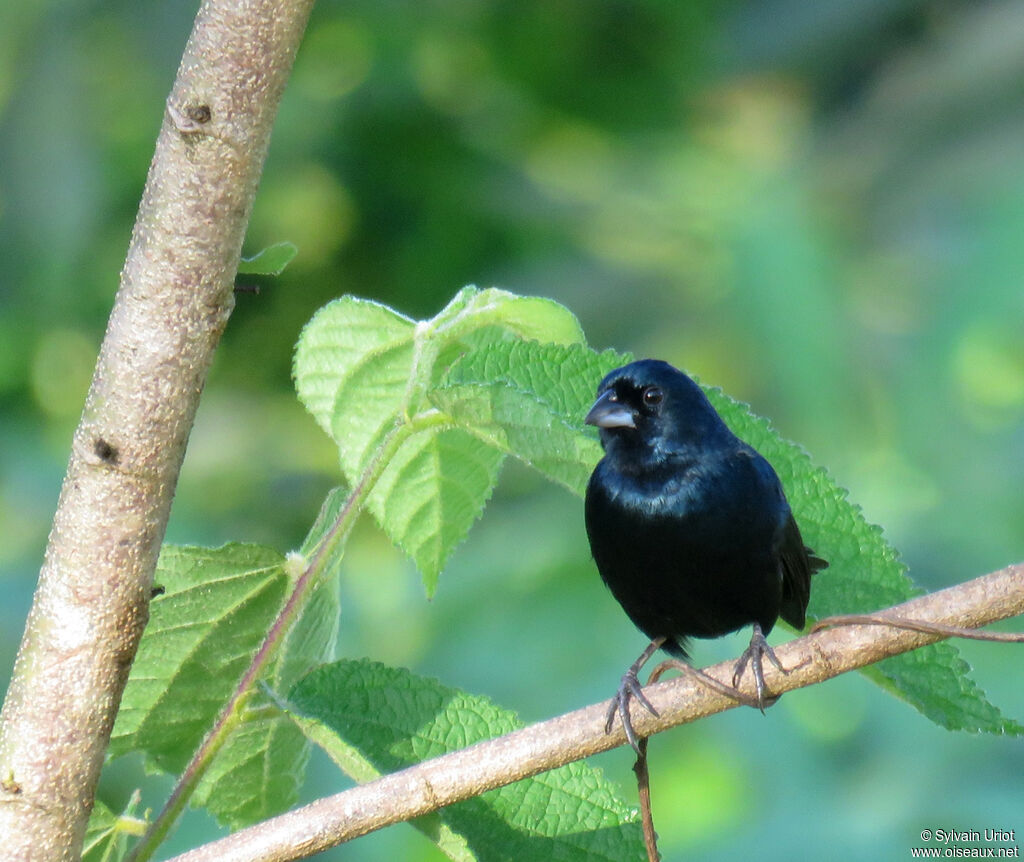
[688,524]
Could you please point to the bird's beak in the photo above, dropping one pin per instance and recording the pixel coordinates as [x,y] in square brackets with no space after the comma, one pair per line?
[609,413]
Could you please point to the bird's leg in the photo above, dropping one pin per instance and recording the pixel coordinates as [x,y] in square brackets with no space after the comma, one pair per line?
[754,653]
[629,687]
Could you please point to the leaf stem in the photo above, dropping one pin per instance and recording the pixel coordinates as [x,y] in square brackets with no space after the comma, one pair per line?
[233,712]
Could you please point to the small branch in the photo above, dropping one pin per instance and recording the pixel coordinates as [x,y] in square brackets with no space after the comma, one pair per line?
[704,679]
[466,773]
[917,626]
[643,792]
[173,303]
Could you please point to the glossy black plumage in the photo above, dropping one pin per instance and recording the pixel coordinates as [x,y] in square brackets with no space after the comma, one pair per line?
[688,524]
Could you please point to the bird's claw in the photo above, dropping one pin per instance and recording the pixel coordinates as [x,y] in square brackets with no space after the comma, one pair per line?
[629,688]
[753,655]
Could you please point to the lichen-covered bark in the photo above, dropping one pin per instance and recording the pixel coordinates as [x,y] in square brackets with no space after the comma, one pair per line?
[173,303]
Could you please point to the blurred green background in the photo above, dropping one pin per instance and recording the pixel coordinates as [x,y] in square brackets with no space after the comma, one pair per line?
[817,206]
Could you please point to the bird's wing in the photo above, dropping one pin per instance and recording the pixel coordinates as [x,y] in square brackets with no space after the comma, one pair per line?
[798,564]
[797,560]
[796,576]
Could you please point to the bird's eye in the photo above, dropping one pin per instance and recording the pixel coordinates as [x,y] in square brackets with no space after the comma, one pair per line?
[652,396]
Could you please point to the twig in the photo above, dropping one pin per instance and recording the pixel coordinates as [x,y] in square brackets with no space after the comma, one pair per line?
[641,765]
[885,619]
[643,787]
[466,773]
[704,679]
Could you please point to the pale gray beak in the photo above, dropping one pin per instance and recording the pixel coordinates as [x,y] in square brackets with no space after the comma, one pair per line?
[607,412]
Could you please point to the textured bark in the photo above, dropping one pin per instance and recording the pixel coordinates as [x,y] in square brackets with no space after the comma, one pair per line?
[173,303]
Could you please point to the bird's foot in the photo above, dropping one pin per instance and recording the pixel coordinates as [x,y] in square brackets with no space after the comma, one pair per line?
[753,655]
[630,688]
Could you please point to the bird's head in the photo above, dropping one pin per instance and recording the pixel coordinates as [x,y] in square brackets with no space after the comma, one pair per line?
[648,413]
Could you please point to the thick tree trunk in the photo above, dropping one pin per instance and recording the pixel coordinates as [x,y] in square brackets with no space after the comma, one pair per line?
[173,303]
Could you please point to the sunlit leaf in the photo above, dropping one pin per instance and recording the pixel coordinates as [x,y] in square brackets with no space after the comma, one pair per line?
[431,493]
[529,400]
[363,371]
[338,343]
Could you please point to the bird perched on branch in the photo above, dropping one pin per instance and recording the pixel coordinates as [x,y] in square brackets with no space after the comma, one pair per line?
[689,525]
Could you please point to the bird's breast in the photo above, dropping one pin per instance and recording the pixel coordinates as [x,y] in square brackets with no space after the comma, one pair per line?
[649,493]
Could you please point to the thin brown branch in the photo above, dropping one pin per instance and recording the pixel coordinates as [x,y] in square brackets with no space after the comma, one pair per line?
[704,679]
[643,792]
[463,774]
[917,626]
[173,303]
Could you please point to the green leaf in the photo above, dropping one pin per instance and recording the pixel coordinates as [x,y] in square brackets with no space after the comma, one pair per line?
[431,493]
[260,770]
[361,367]
[363,371]
[529,400]
[106,836]
[215,610]
[271,261]
[101,824]
[865,574]
[330,511]
[527,317]
[102,841]
[373,720]
[257,774]
[340,342]
[935,681]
